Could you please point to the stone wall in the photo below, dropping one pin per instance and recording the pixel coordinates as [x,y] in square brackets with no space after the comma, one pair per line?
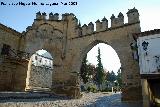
[13,74]
[9,37]
[13,71]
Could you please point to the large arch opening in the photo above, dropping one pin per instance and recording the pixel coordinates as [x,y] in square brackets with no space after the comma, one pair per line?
[111,67]
[39,73]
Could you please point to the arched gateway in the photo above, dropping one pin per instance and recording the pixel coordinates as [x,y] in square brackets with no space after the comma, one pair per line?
[68,42]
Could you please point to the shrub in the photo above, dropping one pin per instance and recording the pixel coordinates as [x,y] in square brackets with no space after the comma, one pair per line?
[92,88]
[107,90]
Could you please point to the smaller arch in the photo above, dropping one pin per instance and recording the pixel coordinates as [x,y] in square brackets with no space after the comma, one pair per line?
[39,73]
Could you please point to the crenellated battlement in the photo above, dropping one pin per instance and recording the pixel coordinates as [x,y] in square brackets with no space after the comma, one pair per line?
[132,14]
[119,21]
[55,17]
[67,21]
[84,29]
[101,25]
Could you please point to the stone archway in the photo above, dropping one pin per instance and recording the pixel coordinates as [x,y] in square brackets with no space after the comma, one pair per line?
[39,73]
[109,60]
[69,42]
[119,39]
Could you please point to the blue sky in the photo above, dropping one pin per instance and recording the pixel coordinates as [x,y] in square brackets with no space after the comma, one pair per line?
[19,17]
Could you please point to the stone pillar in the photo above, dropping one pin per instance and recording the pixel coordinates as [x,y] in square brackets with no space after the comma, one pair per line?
[28,75]
[145,93]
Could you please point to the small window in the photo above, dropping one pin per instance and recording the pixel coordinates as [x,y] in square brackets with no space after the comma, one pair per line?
[46,62]
[35,57]
[5,50]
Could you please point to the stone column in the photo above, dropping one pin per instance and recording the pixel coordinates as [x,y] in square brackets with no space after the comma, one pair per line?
[28,75]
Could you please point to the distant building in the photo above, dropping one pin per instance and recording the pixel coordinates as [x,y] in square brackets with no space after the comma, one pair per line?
[41,58]
[39,74]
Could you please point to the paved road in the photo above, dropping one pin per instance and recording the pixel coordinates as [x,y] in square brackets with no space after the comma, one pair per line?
[114,100]
[46,100]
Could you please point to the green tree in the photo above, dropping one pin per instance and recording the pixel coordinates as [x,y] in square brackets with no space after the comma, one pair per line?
[91,69]
[112,77]
[87,70]
[84,71]
[119,77]
[100,76]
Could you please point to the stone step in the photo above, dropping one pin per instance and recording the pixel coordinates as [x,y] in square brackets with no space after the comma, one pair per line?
[27,95]
[38,89]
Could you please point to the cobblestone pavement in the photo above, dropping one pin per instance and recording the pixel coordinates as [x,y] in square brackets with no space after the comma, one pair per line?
[114,100]
[88,100]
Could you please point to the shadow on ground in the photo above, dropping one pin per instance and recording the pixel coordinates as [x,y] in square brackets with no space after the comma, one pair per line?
[29,97]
